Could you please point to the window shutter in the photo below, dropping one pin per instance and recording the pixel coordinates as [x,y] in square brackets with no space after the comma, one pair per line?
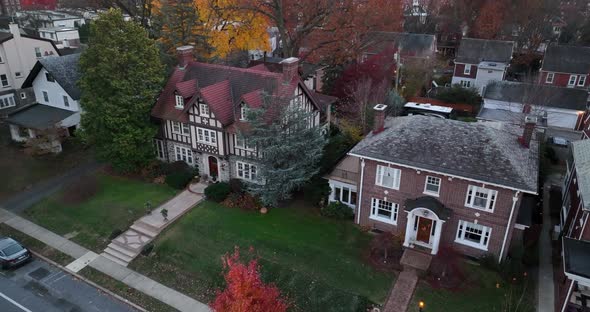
[379,175]
[460,231]
[468,200]
[492,199]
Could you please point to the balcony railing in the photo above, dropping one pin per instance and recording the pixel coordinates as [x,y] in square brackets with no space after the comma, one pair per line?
[346,175]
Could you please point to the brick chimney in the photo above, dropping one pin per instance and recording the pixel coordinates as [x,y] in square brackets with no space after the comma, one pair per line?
[379,121]
[184,55]
[290,68]
[527,108]
[529,128]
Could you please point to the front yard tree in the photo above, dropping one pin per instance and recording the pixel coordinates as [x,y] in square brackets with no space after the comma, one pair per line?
[121,77]
[290,149]
[245,290]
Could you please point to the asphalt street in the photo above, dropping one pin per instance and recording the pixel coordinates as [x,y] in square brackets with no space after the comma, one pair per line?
[41,287]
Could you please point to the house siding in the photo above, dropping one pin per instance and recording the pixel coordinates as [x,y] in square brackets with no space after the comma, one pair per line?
[460,71]
[562,79]
[452,194]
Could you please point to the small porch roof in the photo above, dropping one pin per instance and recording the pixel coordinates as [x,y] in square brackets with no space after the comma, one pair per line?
[431,204]
[347,170]
[575,255]
[38,116]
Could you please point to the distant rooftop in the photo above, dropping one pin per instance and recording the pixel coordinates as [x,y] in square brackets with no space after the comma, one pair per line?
[535,94]
[475,51]
[567,59]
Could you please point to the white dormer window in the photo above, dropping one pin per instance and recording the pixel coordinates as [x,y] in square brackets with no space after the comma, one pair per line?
[243,112]
[179,101]
[549,78]
[581,81]
[572,81]
[467,70]
[204,109]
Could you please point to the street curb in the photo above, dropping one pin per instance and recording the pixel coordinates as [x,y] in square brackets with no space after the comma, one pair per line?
[88,281]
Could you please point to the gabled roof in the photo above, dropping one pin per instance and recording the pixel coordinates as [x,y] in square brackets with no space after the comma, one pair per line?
[409,43]
[64,70]
[223,88]
[567,59]
[5,36]
[38,116]
[475,51]
[535,94]
[478,151]
[581,155]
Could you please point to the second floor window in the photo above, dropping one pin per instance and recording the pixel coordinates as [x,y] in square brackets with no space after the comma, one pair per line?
[467,70]
[66,101]
[549,78]
[45,96]
[206,136]
[180,128]
[432,186]
[4,80]
[480,198]
[38,53]
[204,109]
[242,143]
[388,177]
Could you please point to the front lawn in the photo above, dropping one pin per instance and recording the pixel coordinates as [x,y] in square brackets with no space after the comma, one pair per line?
[484,291]
[116,205]
[316,262]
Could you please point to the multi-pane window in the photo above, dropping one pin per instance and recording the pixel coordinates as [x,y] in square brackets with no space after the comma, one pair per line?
[206,136]
[345,195]
[179,101]
[159,148]
[246,171]
[38,53]
[4,80]
[7,101]
[388,177]
[549,78]
[432,185]
[474,235]
[66,101]
[581,80]
[180,128]
[467,70]
[384,211]
[480,198]
[45,96]
[241,142]
[204,109]
[184,154]
[243,112]
[465,83]
[572,81]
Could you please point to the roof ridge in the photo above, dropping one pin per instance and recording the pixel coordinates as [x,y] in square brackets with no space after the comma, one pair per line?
[245,70]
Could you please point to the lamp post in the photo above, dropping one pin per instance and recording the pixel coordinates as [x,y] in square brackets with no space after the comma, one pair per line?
[420,305]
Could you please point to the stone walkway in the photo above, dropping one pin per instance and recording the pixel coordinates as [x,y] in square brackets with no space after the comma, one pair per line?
[121,273]
[406,282]
[125,247]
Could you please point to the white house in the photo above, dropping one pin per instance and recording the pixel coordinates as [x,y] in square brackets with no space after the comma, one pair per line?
[64,37]
[48,18]
[18,55]
[53,81]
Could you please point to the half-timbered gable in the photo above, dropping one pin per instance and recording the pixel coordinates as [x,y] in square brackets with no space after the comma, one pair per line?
[203,106]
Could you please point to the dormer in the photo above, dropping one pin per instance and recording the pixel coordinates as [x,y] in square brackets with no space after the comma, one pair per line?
[179,103]
[204,110]
[184,90]
[243,111]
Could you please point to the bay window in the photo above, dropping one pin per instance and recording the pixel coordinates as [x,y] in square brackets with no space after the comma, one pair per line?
[206,136]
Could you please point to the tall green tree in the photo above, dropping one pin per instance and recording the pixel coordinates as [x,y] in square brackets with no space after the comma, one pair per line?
[289,149]
[121,75]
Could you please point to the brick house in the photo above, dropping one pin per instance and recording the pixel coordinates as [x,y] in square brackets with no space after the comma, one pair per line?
[479,61]
[202,109]
[439,182]
[566,66]
[573,281]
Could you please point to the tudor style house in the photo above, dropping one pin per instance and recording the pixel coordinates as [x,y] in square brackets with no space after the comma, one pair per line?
[566,66]
[479,61]
[439,182]
[203,107]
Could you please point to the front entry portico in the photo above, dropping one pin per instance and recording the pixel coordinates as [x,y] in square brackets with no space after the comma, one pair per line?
[426,217]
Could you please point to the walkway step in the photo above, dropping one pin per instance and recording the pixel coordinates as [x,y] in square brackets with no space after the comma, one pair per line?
[147,226]
[124,250]
[114,259]
[121,240]
[143,230]
[119,255]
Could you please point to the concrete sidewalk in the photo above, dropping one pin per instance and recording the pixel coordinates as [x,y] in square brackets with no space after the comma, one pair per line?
[129,277]
[546,289]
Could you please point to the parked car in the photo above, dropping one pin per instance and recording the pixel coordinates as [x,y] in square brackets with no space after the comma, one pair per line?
[12,253]
[559,141]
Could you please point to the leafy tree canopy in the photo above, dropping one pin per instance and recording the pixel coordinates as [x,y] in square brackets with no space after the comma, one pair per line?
[458,94]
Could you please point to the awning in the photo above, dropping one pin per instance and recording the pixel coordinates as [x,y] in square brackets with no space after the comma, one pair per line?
[431,204]
[38,116]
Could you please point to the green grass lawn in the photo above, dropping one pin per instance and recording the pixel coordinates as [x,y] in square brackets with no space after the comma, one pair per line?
[116,205]
[479,294]
[316,262]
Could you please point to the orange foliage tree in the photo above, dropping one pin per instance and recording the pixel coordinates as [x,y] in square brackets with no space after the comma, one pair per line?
[245,291]
[490,20]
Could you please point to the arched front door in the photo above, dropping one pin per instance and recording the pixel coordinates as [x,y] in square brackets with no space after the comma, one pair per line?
[213,167]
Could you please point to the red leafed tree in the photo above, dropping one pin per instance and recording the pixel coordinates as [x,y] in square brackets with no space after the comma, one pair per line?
[488,24]
[245,291]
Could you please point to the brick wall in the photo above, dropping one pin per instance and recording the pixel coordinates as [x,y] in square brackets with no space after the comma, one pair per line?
[452,194]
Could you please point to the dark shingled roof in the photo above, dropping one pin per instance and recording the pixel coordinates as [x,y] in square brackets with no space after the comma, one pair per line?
[64,70]
[487,152]
[431,203]
[38,116]
[567,59]
[576,254]
[534,94]
[412,44]
[475,51]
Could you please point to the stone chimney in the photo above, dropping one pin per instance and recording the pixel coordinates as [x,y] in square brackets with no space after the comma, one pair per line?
[290,69]
[529,128]
[14,30]
[184,55]
[379,121]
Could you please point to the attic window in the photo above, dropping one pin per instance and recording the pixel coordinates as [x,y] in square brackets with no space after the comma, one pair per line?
[243,111]
[179,101]
[204,109]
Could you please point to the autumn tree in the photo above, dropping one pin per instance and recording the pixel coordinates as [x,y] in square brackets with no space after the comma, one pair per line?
[177,23]
[121,76]
[490,20]
[245,291]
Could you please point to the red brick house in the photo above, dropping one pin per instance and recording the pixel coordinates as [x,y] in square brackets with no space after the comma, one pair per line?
[566,66]
[203,106]
[439,182]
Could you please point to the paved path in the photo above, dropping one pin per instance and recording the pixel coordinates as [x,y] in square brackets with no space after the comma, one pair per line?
[402,292]
[546,289]
[125,247]
[129,277]
[39,191]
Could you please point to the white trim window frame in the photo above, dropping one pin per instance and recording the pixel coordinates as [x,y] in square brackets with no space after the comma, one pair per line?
[242,143]
[182,153]
[549,78]
[180,128]
[473,235]
[4,81]
[66,100]
[243,112]
[467,69]
[206,136]
[388,177]
[572,81]
[246,171]
[179,101]
[481,198]
[384,211]
[159,149]
[581,80]
[344,194]
[432,186]
[7,101]
[45,96]
[204,110]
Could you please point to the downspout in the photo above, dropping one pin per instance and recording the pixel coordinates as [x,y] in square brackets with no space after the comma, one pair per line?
[358,206]
[514,200]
